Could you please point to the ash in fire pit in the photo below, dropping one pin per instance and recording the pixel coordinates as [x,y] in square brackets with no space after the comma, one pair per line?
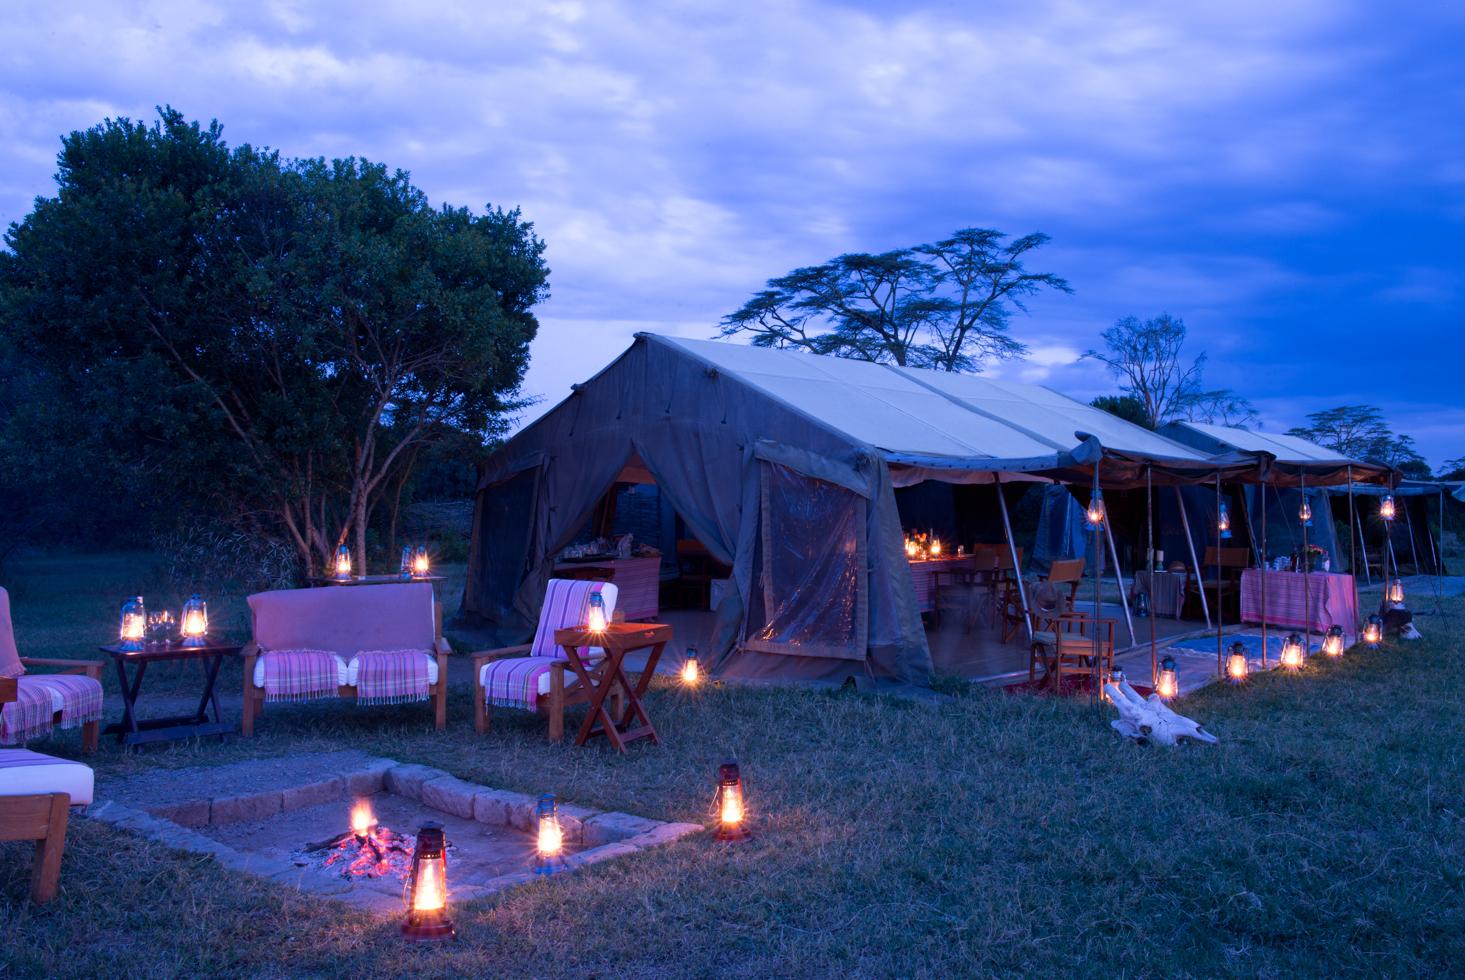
[368,850]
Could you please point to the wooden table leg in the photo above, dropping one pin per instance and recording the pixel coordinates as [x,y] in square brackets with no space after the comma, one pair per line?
[634,705]
[609,671]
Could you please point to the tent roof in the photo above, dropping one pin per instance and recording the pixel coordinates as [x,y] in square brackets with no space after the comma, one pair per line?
[919,416]
[1286,449]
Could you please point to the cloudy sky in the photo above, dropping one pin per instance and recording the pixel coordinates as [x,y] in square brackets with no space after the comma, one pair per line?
[1287,177]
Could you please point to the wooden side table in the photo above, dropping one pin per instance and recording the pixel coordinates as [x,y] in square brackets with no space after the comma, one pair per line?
[133,730]
[602,675]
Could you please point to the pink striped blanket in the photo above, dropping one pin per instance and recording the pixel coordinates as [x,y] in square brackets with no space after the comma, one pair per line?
[300,675]
[32,713]
[391,676]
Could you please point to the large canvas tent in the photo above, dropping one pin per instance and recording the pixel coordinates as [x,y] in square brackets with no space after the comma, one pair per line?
[784,465]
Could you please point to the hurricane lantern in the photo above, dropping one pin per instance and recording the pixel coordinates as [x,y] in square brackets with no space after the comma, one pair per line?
[1386,508]
[1236,665]
[912,550]
[730,812]
[343,564]
[1094,513]
[1373,632]
[427,888]
[1292,655]
[1304,512]
[550,844]
[1223,522]
[134,625]
[691,668]
[404,568]
[1142,604]
[1167,682]
[935,547]
[1333,641]
[595,618]
[421,564]
[193,625]
[1396,592]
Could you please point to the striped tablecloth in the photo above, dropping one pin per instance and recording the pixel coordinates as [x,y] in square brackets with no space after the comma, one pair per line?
[924,579]
[638,585]
[1166,589]
[1330,600]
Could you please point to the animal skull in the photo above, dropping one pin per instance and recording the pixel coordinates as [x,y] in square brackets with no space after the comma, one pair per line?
[1145,719]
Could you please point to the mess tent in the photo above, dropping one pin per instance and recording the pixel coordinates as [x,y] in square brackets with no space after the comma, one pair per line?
[784,467]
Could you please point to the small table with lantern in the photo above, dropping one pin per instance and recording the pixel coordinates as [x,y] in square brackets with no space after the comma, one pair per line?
[133,730]
[602,675]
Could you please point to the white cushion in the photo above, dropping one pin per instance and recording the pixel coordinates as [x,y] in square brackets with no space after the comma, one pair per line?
[27,773]
[345,672]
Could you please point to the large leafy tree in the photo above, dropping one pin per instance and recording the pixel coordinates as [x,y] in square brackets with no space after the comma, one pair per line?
[944,305]
[1146,357]
[274,339]
[1361,432]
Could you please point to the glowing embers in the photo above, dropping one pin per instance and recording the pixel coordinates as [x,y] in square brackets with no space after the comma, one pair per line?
[367,850]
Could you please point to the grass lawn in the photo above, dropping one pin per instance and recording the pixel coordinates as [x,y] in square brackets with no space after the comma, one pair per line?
[994,834]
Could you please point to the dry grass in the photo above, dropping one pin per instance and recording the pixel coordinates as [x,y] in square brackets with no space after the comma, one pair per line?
[995,834]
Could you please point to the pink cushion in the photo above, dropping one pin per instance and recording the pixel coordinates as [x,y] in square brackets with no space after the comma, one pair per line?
[9,656]
[345,619]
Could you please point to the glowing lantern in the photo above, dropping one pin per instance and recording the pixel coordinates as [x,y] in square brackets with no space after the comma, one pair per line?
[691,668]
[1292,655]
[935,547]
[1386,508]
[1333,642]
[551,837]
[134,625]
[1167,684]
[595,618]
[421,564]
[193,626]
[1396,593]
[1304,512]
[427,888]
[1223,522]
[730,811]
[1373,632]
[912,550]
[1094,513]
[1236,665]
[343,564]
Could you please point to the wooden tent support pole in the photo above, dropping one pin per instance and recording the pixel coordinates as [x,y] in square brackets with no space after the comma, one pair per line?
[1022,592]
[1353,539]
[1150,517]
[1119,580]
[1220,608]
[1200,581]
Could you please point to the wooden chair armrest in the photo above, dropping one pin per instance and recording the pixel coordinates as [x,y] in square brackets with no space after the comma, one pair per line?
[250,649]
[484,656]
[441,646]
[8,691]
[91,668]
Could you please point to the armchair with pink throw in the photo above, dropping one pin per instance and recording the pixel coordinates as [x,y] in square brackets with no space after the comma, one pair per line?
[377,644]
[69,698]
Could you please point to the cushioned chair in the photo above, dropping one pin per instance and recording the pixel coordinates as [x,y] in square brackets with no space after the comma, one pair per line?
[36,792]
[1063,644]
[345,622]
[537,675]
[70,697]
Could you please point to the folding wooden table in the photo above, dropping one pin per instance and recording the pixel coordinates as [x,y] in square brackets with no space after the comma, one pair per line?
[603,674]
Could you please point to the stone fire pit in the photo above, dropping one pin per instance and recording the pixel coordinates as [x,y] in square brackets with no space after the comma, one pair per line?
[289,804]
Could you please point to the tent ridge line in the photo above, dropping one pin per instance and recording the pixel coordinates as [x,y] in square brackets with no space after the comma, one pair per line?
[968,406]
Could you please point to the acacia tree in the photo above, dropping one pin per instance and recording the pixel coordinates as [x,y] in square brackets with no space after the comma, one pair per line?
[1145,356]
[1360,432]
[270,338]
[944,305]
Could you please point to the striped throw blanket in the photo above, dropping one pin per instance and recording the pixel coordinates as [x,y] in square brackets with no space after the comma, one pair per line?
[514,681]
[33,711]
[300,675]
[391,676]
[27,716]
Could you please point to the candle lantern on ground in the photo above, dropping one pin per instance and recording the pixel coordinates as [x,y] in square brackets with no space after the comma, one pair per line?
[730,811]
[1223,522]
[1333,641]
[550,845]
[691,668]
[342,567]
[134,625]
[595,618]
[1167,682]
[427,888]
[1094,513]
[421,564]
[1373,632]
[1236,665]
[193,626]
[1386,508]
[1292,653]
[1396,592]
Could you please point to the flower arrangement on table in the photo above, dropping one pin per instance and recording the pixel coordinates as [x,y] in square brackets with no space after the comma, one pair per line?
[1310,558]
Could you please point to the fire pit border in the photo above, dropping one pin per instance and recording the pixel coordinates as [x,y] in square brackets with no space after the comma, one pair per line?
[603,834]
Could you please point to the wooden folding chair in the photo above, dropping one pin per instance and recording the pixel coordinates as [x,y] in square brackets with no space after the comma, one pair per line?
[1064,645]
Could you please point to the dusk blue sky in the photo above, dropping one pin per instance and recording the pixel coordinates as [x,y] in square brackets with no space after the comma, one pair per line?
[1288,177]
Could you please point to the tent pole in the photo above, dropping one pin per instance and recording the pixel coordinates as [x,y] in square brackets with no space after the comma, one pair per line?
[1150,517]
[1362,545]
[1264,572]
[1098,603]
[1250,530]
[1220,610]
[1022,592]
[1119,580]
[1306,563]
[1414,546]
[1439,562]
[1200,582]
[1353,549]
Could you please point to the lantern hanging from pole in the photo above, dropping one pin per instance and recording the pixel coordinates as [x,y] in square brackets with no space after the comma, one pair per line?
[1292,653]
[421,564]
[551,837]
[1236,664]
[595,618]
[691,668]
[1304,512]
[427,888]
[1373,632]
[343,564]
[1223,523]
[1094,513]
[1386,508]
[1396,592]
[1167,684]
[730,810]
[1333,641]
[193,625]
[134,623]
